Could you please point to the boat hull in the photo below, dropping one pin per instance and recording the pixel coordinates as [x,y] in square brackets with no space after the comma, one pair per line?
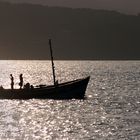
[69,90]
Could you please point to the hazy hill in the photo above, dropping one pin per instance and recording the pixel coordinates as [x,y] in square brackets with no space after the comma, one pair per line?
[76,33]
[123,6]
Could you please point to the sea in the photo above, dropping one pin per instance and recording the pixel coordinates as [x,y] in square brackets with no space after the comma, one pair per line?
[111,110]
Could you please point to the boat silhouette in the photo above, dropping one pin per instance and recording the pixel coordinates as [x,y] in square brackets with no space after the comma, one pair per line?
[68,90]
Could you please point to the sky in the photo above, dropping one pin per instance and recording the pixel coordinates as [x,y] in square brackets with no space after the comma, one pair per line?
[76,34]
[123,6]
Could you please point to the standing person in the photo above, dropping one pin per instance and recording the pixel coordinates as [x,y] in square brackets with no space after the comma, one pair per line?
[12,81]
[21,81]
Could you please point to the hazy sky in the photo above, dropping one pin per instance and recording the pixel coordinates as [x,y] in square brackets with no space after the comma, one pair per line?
[126,6]
[76,34]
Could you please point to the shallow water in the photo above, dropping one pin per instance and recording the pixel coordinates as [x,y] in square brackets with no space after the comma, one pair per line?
[111,110]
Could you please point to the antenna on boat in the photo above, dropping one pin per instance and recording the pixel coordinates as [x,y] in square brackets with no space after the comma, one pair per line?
[53,68]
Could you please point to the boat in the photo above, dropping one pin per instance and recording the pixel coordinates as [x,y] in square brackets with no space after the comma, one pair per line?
[68,90]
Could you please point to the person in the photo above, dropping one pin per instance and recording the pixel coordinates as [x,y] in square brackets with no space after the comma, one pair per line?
[27,86]
[12,81]
[21,81]
[1,87]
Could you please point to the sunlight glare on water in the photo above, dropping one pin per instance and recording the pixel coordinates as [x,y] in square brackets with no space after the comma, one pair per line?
[33,71]
[111,110]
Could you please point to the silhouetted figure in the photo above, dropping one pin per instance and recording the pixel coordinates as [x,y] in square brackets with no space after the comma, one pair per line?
[12,81]
[1,87]
[27,86]
[21,81]
[32,87]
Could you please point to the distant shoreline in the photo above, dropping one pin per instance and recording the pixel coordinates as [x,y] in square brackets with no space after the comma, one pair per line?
[77,34]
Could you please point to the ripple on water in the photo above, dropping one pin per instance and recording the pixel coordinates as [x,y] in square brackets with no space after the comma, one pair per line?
[111,110]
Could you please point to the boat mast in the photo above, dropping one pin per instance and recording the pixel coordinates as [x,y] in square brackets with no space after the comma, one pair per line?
[53,68]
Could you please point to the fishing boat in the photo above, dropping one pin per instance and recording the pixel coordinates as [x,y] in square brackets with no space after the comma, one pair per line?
[68,90]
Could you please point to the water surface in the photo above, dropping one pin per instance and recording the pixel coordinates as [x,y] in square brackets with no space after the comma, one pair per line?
[111,110]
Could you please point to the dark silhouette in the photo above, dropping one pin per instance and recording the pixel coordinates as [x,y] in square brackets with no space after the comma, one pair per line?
[32,87]
[12,81]
[131,6]
[27,86]
[1,87]
[77,33]
[21,81]
[75,89]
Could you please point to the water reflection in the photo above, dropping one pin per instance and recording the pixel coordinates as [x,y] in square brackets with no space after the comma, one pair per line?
[111,110]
